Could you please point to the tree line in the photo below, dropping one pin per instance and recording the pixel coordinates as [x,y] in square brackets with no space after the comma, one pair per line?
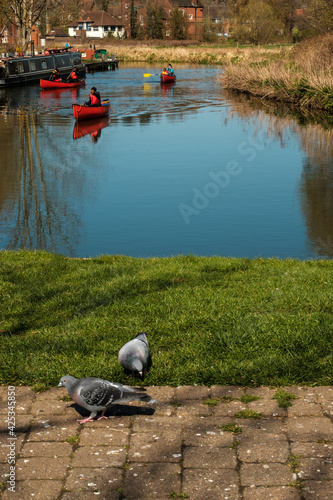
[247,21]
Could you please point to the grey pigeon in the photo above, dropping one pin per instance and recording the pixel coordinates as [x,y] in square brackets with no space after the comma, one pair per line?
[134,355]
[96,394]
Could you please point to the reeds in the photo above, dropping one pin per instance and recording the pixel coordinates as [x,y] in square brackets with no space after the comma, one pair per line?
[304,77]
[193,54]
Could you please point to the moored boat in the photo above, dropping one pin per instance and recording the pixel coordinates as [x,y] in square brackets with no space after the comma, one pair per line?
[31,69]
[49,84]
[83,112]
[167,78]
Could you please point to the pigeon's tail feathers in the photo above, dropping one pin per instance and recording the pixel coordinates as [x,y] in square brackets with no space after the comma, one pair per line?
[142,336]
[134,389]
[145,398]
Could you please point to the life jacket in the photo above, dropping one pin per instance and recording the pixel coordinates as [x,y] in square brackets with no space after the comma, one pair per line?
[95,100]
[57,79]
[73,75]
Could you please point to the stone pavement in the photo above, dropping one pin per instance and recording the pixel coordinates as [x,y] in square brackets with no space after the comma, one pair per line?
[196,444]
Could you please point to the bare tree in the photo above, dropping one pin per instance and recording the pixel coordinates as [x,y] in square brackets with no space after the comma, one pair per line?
[24,14]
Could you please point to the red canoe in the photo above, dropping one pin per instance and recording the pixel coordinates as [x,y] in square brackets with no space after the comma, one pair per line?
[84,112]
[168,78]
[49,84]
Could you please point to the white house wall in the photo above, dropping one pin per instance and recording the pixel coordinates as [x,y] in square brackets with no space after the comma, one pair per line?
[98,34]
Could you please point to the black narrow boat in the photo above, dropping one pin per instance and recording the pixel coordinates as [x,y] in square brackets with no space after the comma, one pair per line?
[24,70]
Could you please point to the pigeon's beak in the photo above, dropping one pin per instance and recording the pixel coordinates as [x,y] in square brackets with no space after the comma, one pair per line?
[60,384]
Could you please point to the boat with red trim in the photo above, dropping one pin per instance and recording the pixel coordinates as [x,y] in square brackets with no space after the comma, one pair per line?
[50,84]
[83,112]
[23,70]
[167,78]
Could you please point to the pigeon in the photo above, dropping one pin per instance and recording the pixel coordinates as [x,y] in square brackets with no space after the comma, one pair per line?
[96,394]
[134,355]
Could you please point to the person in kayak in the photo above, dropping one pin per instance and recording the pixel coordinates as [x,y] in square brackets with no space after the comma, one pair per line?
[56,77]
[165,72]
[74,76]
[170,69]
[94,98]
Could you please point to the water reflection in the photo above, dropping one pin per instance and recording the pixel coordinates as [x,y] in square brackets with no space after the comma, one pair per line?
[92,127]
[31,191]
[314,133]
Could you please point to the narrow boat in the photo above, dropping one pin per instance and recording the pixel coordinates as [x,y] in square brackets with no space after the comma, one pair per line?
[168,78]
[23,70]
[49,84]
[83,112]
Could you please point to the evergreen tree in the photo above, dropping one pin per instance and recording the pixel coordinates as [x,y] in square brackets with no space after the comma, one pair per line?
[178,25]
[154,21]
[133,20]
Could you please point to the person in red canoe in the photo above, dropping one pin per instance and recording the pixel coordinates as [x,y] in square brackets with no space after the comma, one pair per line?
[165,72]
[74,76]
[94,98]
[55,77]
[170,69]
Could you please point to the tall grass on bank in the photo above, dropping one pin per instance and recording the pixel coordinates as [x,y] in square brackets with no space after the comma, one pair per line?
[194,54]
[209,320]
[305,78]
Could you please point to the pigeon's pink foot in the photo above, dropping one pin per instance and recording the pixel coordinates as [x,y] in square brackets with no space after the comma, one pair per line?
[102,416]
[88,419]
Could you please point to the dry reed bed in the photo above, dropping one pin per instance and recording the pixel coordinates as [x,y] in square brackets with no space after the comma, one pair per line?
[304,77]
[195,55]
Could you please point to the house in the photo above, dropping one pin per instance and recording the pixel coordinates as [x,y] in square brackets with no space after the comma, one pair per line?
[218,16]
[56,33]
[96,24]
[8,34]
[191,9]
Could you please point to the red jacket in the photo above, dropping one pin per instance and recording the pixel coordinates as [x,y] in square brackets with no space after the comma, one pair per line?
[95,100]
[73,75]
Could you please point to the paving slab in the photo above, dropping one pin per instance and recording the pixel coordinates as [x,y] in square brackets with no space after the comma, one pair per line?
[193,444]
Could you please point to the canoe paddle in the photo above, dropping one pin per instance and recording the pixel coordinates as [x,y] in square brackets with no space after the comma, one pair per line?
[150,74]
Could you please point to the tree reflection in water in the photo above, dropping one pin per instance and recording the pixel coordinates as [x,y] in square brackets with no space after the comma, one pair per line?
[42,219]
[315,137]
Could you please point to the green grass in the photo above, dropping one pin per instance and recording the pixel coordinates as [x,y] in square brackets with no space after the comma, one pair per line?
[250,414]
[236,429]
[284,398]
[209,320]
[248,398]
[211,402]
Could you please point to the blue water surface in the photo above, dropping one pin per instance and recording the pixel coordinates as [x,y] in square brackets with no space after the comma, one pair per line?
[178,169]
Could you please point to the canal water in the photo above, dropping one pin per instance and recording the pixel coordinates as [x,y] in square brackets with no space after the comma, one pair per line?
[177,169]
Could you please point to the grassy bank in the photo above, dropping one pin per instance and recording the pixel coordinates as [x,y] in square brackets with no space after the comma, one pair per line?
[303,77]
[209,320]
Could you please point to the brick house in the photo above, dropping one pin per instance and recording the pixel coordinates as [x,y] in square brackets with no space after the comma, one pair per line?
[192,10]
[8,34]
